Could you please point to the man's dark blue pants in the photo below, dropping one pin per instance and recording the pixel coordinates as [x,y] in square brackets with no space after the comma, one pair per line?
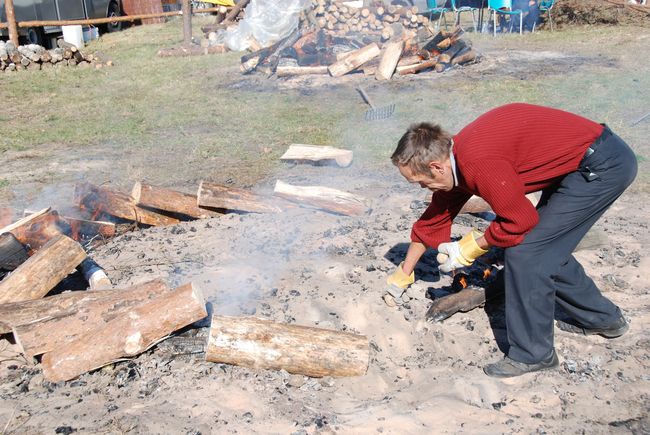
[541,271]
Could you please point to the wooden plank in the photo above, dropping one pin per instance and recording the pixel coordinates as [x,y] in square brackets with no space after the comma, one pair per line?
[324,198]
[318,153]
[221,197]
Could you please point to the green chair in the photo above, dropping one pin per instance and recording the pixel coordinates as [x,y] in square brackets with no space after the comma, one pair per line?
[546,6]
[504,7]
[460,9]
[437,7]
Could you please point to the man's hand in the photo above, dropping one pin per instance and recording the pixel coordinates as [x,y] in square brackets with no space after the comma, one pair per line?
[461,253]
[399,281]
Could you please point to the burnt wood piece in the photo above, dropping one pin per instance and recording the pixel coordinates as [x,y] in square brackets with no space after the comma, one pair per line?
[287,42]
[221,197]
[413,69]
[12,252]
[464,57]
[43,271]
[127,335]
[324,198]
[452,51]
[290,71]
[465,300]
[82,228]
[65,319]
[263,344]
[36,232]
[169,200]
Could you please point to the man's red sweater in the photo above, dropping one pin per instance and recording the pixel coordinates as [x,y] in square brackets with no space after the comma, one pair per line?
[501,156]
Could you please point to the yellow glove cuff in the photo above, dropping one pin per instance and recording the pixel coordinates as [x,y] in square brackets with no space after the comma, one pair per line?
[469,249]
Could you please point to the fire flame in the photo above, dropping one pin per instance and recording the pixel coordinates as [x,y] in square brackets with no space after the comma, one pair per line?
[463,281]
[486,273]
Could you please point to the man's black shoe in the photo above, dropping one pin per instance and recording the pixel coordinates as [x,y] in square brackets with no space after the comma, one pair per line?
[616,330]
[508,368]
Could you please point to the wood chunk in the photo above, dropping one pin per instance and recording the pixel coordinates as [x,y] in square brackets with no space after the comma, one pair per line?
[389,59]
[220,197]
[127,335]
[169,200]
[25,220]
[12,252]
[318,153]
[104,200]
[354,60]
[324,198]
[66,318]
[36,232]
[431,63]
[465,300]
[464,57]
[43,271]
[263,344]
[288,71]
[81,228]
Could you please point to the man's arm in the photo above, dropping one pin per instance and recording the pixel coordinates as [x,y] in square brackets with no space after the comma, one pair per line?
[415,252]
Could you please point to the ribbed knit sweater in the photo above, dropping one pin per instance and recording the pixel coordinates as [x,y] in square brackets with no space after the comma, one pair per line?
[501,156]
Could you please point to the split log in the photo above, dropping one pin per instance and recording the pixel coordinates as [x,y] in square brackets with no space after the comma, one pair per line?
[464,57]
[37,231]
[23,221]
[324,198]
[67,318]
[354,60]
[431,63]
[103,200]
[12,252]
[43,271]
[317,153]
[220,197]
[389,59]
[288,71]
[465,300]
[263,344]
[169,200]
[127,335]
[452,51]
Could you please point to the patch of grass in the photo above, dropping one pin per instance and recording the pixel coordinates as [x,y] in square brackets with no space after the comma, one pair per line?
[4,183]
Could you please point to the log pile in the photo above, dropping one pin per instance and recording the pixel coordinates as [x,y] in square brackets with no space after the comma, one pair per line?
[36,57]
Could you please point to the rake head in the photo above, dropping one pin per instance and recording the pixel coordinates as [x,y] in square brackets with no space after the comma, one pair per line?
[378,113]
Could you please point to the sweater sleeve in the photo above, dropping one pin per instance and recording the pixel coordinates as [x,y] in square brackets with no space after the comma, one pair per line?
[497,183]
[434,227]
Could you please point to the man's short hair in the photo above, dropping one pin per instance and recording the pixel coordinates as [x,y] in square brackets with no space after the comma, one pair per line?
[421,144]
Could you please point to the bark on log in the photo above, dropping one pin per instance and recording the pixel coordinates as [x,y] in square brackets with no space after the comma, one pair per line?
[288,71]
[36,232]
[103,200]
[12,252]
[316,153]
[262,344]
[220,197]
[65,319]
[354,60]
[389,59]
[324,198]
[43,271]
[127,335]
[419,67]
[463,58]
[23,221]
[169,200]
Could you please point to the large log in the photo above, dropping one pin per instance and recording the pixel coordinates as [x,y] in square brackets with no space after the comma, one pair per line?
[169,200]
[263,344]
[43,271]
[412,69]
[127,335]
[37,231]
[288,71]
[23,221]
[354,60]
[103,200]
[324,198]
[65,319]
[220,197]
[82,228]
[392,53]
[318,153]
[12,252]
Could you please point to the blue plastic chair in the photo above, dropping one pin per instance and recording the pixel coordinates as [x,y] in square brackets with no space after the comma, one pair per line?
[459,9]
[546,6]
[504,7]
[437,7]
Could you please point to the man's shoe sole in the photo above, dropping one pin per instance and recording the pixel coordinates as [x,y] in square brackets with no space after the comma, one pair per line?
[607,333]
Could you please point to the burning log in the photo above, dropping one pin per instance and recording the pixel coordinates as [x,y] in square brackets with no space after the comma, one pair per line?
[288,71]
[413,69]
[60,319]
[127,335]
[220,197]
[317,153]
[464,57]
[465,300]
[39,229]
[12,252]
[324,198]
[103,200]
[169,200]
[43,271]
[354,60]
[81,228]
[262,344]
[25,220]
[392,53]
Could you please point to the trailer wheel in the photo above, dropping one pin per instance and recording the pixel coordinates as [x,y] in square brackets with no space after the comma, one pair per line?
[114,11]
[35,35]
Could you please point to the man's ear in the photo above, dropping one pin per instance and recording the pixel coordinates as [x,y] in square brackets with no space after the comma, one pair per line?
[436,167]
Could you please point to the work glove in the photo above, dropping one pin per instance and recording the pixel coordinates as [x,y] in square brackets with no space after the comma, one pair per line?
[455,255]
[398,281]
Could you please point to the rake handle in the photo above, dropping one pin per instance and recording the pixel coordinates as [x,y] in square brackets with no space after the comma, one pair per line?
[365,97]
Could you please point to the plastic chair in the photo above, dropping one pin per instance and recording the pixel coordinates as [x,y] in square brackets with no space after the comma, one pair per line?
[546,6]
[437,7]
[504,7]
[459,9]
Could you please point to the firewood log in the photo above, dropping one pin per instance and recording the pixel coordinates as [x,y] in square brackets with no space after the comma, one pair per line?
[23,221]
[324,198]
[104,200]
[37,231]
[220,197]
[43,271]
[354,60]
[465,300]
[317,153]
[392,53]
[464,57]
[65,319]
[449,54]
[82,228]
[431,63]
[169,200]
[263,344]
[289,71]
[12,252]
[127,335]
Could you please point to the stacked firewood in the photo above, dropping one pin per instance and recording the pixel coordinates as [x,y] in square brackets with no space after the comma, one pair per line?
[36,57]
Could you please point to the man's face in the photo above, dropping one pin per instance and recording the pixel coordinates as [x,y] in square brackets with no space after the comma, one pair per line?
[439,177]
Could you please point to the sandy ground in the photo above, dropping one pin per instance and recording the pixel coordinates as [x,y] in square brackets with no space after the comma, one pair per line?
[312,268]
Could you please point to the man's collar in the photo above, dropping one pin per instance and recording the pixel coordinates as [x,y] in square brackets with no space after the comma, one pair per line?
[452,161]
